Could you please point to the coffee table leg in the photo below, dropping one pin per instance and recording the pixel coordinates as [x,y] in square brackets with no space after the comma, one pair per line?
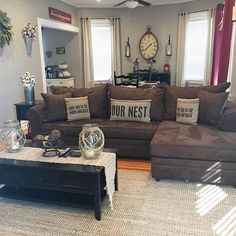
[97,205]
[116,177]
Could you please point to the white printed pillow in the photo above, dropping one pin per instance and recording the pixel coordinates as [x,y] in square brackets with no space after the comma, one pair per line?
[131,110]
[187,111]
[77,108]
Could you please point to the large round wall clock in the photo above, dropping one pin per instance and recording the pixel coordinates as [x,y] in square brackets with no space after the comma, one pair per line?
[148,45]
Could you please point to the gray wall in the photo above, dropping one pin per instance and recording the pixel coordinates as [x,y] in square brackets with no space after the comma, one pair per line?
[163,20]
[14,59]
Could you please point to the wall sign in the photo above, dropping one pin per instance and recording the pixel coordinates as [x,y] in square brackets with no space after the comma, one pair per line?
[59,15]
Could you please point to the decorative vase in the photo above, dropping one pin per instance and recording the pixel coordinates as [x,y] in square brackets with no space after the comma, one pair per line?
[29,95]
[12,136]
[91,141]
[28,43]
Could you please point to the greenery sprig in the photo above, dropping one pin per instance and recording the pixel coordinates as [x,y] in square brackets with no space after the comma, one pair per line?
[5,29]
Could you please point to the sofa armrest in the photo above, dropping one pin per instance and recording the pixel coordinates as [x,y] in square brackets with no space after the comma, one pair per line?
[228,118]
[36,117]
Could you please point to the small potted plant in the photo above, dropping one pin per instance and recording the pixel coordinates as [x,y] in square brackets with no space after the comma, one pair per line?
[29,32]
[28,82]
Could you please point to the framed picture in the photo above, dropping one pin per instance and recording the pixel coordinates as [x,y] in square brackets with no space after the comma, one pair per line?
[60,50]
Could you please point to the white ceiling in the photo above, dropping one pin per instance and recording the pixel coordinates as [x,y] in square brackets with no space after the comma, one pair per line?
[111,3]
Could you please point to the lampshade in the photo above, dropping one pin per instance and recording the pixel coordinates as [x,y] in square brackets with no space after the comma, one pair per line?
[131,4]
[234,14]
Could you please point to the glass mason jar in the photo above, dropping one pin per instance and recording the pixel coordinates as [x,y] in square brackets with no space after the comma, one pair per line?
[91,141]
[12,136]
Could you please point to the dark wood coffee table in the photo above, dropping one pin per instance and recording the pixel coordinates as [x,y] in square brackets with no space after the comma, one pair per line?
[68,184]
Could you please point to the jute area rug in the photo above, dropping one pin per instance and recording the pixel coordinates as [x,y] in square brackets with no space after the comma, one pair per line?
[141,207]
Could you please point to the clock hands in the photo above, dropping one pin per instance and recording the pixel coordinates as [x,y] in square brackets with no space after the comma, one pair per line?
[148,46]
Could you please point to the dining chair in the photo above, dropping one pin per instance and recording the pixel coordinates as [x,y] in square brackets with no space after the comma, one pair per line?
[126,80]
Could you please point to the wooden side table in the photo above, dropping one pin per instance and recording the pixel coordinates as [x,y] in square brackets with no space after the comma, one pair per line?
[21,109]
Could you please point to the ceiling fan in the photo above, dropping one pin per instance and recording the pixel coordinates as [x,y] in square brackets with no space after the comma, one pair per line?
[133,3]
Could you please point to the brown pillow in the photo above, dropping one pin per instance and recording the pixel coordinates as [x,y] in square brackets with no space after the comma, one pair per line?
[61,89]
[211,107]
[56,106]
[97,97]
[174,92]
[155,94]
[220,88]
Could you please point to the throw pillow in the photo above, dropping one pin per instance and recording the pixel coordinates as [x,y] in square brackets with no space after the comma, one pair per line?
[187,111]
[211,107]
[130,110]
[154,94]
[55,105]
[77,108]
[174,92]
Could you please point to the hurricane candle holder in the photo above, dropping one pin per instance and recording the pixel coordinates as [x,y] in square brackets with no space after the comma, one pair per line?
[91,141]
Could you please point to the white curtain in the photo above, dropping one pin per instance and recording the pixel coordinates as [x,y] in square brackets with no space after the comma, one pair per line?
[182,27]
[116,45]
[209,52]
[87,55]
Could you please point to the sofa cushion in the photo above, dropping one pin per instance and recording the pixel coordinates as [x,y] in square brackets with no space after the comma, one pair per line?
[111,129]
[155,94]
[211,107]
[174,92]
[55,106]
[130,110]
[97,97]
[200,142]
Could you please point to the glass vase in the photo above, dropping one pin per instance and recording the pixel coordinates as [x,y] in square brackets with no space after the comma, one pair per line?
[12,136]
[91,141]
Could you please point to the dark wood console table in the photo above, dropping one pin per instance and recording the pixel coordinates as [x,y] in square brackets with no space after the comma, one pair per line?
[146,75]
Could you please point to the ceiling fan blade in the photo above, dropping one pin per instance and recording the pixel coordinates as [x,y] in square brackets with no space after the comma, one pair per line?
[120,3]
[144,3]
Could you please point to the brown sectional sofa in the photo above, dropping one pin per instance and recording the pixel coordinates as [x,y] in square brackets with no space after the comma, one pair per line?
[177,151]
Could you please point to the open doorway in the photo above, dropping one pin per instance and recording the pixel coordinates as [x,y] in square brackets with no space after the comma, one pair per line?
[58,44]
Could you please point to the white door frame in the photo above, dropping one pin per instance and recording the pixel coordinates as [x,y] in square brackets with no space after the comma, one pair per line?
[52,25]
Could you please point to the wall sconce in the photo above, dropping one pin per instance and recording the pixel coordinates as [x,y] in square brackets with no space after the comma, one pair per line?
[168,48]
[127,49]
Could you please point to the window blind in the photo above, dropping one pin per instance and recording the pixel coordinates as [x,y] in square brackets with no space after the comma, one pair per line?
[196,47]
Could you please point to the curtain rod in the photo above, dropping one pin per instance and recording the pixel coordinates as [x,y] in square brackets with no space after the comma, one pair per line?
[100,18]
[191,12]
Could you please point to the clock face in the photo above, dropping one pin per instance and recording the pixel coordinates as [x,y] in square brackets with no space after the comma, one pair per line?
[148,46]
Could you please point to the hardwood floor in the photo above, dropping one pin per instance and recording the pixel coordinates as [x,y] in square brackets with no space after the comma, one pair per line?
[142,165]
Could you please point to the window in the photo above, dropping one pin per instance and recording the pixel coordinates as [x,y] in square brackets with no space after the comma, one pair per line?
[102,50]
[197,34]
[231,58]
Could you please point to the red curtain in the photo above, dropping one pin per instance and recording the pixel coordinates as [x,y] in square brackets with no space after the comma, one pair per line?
[222,42]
